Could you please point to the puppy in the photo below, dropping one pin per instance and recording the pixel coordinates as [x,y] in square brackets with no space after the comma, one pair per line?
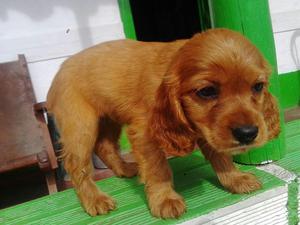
[210,90]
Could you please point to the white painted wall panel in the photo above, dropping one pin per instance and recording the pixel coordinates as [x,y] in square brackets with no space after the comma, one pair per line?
[47,32]
[42,74]
[285,17]
[53,30]
[50,29]
[23,18]
[288,51]
[286,21]
[59,43]
[277,6]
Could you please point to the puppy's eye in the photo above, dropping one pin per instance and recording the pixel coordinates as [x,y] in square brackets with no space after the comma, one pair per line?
[258,87]
[209,92]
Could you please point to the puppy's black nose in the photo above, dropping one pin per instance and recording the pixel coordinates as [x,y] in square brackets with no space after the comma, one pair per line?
[245,134]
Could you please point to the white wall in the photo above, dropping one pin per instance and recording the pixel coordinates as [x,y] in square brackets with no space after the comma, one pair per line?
[285,16]
[47,32]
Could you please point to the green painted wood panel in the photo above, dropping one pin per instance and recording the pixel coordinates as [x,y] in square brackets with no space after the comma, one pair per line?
[252,19]
[204,13]
[290,89]
[127,19]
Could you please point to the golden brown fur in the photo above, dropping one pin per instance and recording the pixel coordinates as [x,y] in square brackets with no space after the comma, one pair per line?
[152,87]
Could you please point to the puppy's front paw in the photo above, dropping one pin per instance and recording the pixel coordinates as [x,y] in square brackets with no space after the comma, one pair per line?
[99,204]
[242,183]
[171,205]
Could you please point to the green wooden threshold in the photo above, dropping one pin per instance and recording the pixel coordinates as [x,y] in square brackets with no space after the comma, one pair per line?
[193,177]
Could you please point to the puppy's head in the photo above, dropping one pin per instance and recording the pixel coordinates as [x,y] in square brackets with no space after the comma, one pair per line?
[215,89]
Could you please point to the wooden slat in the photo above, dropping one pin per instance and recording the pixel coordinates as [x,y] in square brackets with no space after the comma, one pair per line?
[40,109]
[51,182]
[14,164]
[292,114]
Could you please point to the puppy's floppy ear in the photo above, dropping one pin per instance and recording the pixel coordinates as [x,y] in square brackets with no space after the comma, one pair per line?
[271,115]
[168,124]
[270,106]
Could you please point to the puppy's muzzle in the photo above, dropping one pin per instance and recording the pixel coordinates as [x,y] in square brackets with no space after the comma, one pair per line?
[245,134]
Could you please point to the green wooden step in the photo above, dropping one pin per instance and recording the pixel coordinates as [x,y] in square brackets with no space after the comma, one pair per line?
[193,177]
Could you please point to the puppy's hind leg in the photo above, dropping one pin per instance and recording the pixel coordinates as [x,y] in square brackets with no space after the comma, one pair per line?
[78,125]
[107,148]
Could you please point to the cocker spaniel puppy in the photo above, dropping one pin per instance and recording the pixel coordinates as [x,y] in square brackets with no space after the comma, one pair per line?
[210,90]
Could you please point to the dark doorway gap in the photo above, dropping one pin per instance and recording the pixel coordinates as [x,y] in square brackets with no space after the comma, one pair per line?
[165,20]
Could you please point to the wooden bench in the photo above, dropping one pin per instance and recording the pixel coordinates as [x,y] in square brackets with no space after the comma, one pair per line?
[24,137]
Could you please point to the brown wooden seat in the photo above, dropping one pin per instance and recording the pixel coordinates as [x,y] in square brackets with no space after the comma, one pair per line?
[24,137]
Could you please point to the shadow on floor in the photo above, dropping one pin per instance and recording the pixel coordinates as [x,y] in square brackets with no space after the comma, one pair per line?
[21,186]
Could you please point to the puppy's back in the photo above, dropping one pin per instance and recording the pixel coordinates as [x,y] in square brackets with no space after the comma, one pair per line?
[119,73]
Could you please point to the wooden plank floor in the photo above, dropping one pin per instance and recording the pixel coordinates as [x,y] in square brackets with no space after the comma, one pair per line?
[193,178]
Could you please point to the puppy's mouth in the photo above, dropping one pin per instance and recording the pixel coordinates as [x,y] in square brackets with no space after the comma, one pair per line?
[230,144]
[239,149]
